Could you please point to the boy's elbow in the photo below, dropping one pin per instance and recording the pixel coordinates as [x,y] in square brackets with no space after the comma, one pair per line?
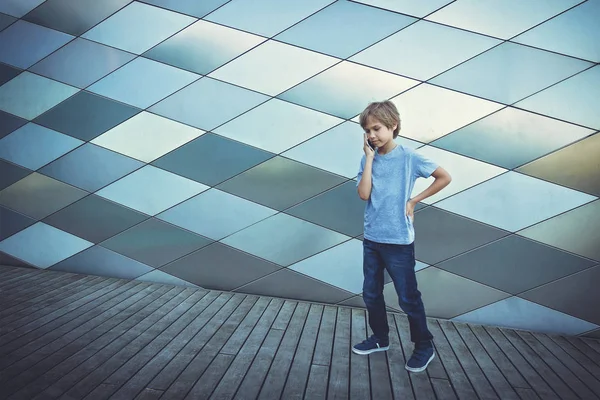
[363,196]
[445,181]
[443,176]
[448,178]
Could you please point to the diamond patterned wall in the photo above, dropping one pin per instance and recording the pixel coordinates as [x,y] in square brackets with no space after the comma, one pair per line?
[215,143]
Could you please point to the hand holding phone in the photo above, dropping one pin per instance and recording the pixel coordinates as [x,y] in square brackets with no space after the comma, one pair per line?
[368,147]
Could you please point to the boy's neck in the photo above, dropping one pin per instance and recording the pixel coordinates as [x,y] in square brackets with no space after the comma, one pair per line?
[391,145]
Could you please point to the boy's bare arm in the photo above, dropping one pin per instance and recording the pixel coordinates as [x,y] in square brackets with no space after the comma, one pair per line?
[364,186]
[442,179]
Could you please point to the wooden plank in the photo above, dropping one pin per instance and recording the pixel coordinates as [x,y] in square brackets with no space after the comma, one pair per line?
[23,298]
[316,388]
[399,376]
[186,327]
[30,302]
[183,371]
[16,341]
[558,365]
[478,379]
[593,343]
[6,270]
[251,374]
[381,385]
[27,318]
[185,381]
[21,331]
[10,284]
[572,363]
[527,394]
[58,339]
[120,337]
[230,312]
[211,377]
[241,330]
[100,391]
[19,277]
[256,325]
[34,275]
[150,394]
[41,316]
[116,360]
[285,315]
[435,368]
[37,373]
[157,321]
[6,267]
[275,380]
[443,389]
[324,345]
[177,318]
[537,382]
[246,375]
[54,301]
[457,377]
[339,374]
[422,387]
[539,365]
[509,371]
[487,365]
[80,319]
[21,285]
[17,284]
[574,352]
[360,382]
[298,376]
[584,349]
[380,381]
[8,278]
[65,374]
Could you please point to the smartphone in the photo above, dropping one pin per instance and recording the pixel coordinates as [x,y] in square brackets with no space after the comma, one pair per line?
[370,145]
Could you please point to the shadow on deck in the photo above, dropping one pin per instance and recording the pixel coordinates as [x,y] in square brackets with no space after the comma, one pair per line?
[73,336]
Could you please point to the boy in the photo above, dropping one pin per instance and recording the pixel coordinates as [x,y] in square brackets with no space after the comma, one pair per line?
[386,179]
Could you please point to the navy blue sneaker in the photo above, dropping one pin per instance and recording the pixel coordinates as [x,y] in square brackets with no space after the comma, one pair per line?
[371,345]
[421,357]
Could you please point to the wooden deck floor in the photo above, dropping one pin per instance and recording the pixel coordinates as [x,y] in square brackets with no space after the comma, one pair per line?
[72,336]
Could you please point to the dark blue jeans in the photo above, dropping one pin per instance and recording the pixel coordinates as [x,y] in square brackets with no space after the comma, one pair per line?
[399,260]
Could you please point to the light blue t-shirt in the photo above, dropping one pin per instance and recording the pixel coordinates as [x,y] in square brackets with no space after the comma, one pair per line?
[393,178]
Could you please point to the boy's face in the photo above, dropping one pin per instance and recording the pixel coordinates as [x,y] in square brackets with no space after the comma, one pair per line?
[377,133]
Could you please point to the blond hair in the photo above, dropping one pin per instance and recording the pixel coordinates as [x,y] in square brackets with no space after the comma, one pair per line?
[384,112]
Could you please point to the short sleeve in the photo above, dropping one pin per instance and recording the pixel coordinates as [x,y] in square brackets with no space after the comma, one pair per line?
[360,170]
[422,166]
